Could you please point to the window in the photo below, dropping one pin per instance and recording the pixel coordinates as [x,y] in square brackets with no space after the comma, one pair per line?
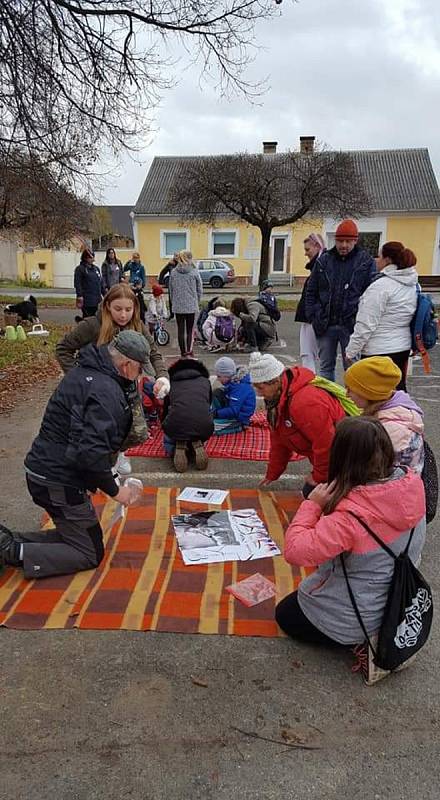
[224,243]
[370,242]
[172,242]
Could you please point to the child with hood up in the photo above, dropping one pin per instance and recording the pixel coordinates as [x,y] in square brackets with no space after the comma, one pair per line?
[218,329]
[187,422]
[372,383]
[234,403]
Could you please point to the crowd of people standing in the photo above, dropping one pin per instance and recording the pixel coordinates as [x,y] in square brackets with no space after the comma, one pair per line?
[364,440]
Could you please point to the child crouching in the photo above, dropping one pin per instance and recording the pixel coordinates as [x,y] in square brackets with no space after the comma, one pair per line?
[187,419]
[234,403]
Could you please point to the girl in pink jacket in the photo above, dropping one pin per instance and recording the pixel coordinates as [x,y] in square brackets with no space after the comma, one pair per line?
[372,383]
[364,481]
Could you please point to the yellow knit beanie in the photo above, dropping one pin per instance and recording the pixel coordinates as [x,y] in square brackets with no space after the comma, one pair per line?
[373,378]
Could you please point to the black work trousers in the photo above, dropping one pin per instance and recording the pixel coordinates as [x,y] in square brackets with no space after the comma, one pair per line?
[74,545]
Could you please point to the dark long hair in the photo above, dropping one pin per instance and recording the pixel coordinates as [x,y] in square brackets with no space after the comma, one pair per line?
[399,255]
[361,452]
[238,306]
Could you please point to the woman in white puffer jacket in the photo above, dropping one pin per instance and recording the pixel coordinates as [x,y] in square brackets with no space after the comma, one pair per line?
[386,309]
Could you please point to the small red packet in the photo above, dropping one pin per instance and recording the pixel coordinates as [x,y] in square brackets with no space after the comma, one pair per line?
[253,590]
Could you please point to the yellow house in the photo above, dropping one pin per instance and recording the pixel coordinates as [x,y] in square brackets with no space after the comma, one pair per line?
[401,184]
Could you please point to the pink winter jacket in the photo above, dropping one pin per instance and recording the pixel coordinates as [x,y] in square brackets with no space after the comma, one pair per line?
[391,508]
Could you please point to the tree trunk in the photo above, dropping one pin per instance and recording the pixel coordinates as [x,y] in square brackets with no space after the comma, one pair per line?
[264,256]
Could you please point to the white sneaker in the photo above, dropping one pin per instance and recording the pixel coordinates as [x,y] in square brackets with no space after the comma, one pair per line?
[123,465]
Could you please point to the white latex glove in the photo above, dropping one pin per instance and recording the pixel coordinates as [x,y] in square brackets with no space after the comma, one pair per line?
[161,388]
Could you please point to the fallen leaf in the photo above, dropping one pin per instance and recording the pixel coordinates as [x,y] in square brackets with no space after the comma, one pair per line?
[293,737]
[297,664]
[199,681]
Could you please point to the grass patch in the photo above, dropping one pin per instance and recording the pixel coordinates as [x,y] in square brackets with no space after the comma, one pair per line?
[42,302]
[35,352]
[24,284]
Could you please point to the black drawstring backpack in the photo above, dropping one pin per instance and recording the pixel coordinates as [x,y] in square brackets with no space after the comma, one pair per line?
[430,482]
[407,617]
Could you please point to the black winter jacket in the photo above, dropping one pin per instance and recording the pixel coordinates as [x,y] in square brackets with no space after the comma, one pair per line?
[300,315]
[88,285]
[187,407]
[86,420]
[325,288]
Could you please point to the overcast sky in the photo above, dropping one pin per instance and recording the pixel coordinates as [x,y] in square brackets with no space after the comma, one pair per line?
[357,74]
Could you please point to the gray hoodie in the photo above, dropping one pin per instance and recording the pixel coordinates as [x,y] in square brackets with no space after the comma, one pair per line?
[185,289]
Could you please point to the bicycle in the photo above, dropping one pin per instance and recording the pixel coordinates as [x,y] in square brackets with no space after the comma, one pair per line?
[160,333]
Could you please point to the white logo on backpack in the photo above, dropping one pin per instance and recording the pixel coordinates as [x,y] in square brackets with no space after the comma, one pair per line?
[408,631]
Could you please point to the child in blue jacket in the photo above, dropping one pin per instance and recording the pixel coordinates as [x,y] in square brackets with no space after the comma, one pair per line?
[234,403]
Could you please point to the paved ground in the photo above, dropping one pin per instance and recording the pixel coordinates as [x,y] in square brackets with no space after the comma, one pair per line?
[113,715]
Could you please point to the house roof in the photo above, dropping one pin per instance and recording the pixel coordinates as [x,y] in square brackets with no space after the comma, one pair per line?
[121,221]
[396,180]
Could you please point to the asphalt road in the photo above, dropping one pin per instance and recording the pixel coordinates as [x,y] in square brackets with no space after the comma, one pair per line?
[113,715]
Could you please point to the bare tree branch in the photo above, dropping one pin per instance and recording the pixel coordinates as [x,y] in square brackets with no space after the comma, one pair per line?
[80,75]
[269,191]
[36,208]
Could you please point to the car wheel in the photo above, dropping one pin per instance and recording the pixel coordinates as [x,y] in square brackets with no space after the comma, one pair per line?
[216,282]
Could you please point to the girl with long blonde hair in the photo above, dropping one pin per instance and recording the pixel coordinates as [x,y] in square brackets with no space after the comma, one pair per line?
[119,311]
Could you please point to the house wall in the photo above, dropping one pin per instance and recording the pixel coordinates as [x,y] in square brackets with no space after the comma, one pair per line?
[64,263]
[36,264]
[420,235]
[8,259]
[148,242]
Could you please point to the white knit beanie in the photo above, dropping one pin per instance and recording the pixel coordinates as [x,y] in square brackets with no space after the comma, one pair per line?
[264,367]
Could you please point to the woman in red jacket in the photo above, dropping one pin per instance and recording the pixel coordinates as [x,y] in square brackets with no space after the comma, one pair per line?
[302,417]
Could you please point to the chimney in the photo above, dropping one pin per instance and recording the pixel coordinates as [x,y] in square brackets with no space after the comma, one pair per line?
[306,144]
[269,148]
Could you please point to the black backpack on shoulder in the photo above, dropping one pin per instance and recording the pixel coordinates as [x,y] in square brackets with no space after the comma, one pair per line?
[407,618]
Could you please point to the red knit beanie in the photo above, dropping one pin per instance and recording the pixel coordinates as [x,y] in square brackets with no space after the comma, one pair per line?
[347,230]
[157,290]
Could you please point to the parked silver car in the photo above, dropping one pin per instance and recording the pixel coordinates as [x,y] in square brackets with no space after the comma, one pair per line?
[215,272]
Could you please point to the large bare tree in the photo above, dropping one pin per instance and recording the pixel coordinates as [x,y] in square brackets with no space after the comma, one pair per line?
[77,76]
[35,208]
[269,191]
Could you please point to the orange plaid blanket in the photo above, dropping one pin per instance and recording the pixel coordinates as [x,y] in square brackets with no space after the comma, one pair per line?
[142,583]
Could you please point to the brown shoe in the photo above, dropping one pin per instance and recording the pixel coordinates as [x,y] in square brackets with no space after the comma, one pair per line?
[201,457]
[180,458]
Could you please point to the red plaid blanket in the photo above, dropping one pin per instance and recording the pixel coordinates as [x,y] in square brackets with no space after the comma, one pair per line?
[250,445]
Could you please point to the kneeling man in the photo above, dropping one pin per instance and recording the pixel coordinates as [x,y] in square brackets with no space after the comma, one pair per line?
[85,423]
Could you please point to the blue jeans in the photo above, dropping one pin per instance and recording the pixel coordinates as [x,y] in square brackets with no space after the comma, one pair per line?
[169,445]
[328,348]
[222,426]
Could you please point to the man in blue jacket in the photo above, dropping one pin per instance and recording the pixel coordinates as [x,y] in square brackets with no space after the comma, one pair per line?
[85,423]
[338,280]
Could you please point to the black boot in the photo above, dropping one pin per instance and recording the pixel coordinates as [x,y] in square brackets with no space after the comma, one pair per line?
[9,548]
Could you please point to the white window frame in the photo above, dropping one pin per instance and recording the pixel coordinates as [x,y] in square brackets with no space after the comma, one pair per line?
[163,239]
[223,256]
[286,235]
[365,225]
